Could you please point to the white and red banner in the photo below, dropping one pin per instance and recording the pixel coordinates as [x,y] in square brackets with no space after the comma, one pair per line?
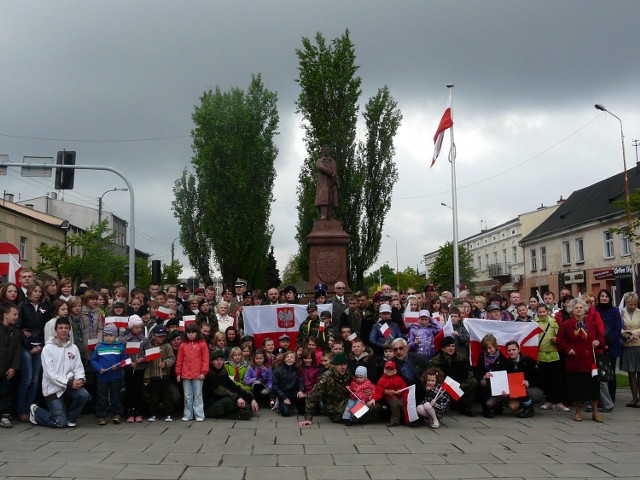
[120,322]
[92,343]
[152,354]
[163,313]
[385,330]
[359,409]
[525,333]
[445,123]
[410,411]
[132,348]
[264,321]
[187,319]
[411,318]
[452,388]
[125,362]
[447,331]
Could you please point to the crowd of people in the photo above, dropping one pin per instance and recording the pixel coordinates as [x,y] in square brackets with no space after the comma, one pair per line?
[131,356]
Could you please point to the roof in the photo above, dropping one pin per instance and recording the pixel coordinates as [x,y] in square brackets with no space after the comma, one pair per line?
[31,213]
[592,203]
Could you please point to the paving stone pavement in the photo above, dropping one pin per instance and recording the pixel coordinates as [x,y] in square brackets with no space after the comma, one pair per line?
[549,445]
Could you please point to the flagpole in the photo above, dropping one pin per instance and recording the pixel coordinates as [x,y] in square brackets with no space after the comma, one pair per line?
[454,203]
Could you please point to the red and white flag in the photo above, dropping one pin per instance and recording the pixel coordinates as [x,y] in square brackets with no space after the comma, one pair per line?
[594,369]
[125,362]
[181,326]
[411,318]
[359,409]
[352,337]
[410,411]
[120,322]
[163,313]
[321,327]
[92,343]
[525,333]
[14,268]
[385,330]
[187,319]
[132,348]
[452,388]
[264,321]
[445,123]
[447,331]
[152,354]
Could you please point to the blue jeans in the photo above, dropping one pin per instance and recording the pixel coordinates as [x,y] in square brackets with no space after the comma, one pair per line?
[347,415]
[106,389]
[59,414]
[29,380]
[193,403]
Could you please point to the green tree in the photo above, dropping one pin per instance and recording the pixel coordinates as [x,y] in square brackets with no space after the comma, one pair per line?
[291,274]
[441,272]
[143,273]
[94,256]
[328,102]
[371,282]
[271,273]
[234,156]
[188,209]
[171,272]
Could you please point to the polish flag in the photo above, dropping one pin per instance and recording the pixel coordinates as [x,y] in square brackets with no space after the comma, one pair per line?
[187,319]
[594,370]
[321,327]
[352,337]
[385,329]
[92,343]
[410,411]
[132,348]
[525,333]
[163,313]
[411,318]
[120,322]
[125,362]
[264,321]
[452,388]
[445,123]
[359,409]
[181,326]
[152,354]
[447,331]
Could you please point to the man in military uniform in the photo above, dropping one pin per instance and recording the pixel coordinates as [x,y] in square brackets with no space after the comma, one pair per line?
[331,389]
[309,327]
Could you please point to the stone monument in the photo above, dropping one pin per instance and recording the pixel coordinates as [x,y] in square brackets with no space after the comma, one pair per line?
[327,240]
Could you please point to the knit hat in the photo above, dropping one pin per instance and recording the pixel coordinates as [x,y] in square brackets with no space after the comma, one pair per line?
[340,359]
[135,321]
[111,329]
[448,340]
[424,313]
[217,354]
[143,310]
[174,334]
[361,370]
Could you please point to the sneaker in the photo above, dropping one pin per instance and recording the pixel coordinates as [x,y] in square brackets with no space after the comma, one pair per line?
[71,424]
[131,419]
[435,425]
[199,419]
[5,422]
[546,406]
[116,420]
[186,419]
[526,412]
[139,419]
[560,407]
[153,418]
[168,418]
[101,422]
[32,413]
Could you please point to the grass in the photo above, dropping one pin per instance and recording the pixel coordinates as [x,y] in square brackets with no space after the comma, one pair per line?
[622,380]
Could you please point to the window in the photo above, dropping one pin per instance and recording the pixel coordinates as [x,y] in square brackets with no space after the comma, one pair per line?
[23,248]
[566,253]
[625,245]
[514,253]
[534,260]
[513,232]
[504,255]
[543,258]
[608,244]
[479,262]
[42,244]
[579,244]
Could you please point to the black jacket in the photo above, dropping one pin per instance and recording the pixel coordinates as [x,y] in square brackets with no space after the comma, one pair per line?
[287,382]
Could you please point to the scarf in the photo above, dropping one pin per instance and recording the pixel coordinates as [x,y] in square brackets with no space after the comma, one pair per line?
[580,329]
[489,360]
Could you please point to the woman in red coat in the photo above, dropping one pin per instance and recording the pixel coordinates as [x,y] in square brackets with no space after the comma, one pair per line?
[578,338]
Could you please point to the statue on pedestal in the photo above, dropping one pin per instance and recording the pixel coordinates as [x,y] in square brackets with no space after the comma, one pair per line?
[327,185]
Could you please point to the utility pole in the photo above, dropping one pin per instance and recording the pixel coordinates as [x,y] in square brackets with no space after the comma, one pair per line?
[636,143]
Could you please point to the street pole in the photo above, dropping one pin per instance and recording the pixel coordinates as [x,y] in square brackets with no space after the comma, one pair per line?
[626,196]
[397,265]
[132,229]
[454,204]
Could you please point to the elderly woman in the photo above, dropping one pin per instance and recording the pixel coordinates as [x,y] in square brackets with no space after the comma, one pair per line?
[579,337]
[631,347]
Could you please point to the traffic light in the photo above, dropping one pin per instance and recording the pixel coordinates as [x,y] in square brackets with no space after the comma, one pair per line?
[64,176]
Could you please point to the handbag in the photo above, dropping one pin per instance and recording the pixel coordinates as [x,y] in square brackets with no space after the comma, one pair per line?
[606,371]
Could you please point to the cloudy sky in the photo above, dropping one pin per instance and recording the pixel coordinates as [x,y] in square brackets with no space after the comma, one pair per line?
[117,82]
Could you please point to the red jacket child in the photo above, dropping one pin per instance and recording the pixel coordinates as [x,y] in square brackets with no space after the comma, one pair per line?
[193,359]
[389,381]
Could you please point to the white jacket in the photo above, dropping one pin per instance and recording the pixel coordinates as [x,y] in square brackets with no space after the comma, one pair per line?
[61,362]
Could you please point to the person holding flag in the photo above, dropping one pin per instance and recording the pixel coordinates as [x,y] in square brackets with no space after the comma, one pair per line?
[384,331]
[422,335]
[136,343]
[106,360]
[436,400]
[580,338]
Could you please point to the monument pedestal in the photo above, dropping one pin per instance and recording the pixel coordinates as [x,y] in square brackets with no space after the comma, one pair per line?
[328,255]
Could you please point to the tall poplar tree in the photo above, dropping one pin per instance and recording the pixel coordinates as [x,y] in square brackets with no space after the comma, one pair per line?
[328,102]
[234,157]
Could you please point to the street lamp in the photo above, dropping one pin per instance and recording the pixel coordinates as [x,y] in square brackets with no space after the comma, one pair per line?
[100,200]
[601,107]
[397,264]
[445,205]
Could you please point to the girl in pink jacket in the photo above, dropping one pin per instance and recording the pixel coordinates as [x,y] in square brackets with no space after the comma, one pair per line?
[192,366]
